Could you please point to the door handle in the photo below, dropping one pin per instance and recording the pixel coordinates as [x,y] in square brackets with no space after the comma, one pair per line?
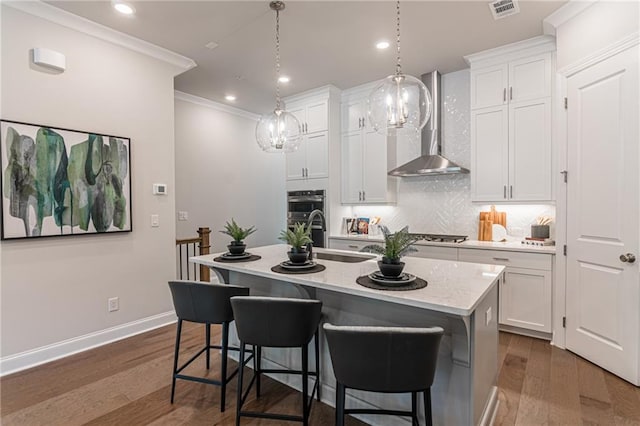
[504,192]
[504,95]
[510,191]
[510,93]
[628,258]
[503,259]
[353,246]
[306,172]
[364,197]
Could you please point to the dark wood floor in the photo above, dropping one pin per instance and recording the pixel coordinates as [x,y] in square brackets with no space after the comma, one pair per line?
[128,383]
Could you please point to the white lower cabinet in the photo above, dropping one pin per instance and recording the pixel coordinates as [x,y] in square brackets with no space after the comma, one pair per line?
[352,245]
[526,289]
[435,252]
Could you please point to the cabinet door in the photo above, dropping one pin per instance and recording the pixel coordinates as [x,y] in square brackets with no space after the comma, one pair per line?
[296,162]
[317,116]
[352,167]
[435,252]
[353,114]
[351,245]
[525,299]
[299,112]
[489,86]
[489,154]
[530,78]
[530,150]
[317,155]
[374,168]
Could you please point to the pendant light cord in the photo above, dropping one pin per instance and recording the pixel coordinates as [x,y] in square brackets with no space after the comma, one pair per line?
[398,66]
[277,59]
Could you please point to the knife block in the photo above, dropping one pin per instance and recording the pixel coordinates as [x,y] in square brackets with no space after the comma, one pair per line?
[486,222]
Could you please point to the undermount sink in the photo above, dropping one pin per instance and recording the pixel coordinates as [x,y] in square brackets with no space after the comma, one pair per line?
[343,257]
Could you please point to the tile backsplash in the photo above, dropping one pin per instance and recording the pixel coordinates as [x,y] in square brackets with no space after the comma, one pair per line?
[442,204]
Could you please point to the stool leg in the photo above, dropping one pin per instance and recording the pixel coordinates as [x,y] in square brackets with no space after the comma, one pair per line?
[208,343]
[340,397]
[414,409]
[223,367]
[175,359]
[305,385]
[257,367]
[317,343]
[427,407]
[240,377]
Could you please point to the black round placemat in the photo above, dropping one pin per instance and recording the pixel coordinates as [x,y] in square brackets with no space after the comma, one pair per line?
[365,281]
[251,258]
[316,268]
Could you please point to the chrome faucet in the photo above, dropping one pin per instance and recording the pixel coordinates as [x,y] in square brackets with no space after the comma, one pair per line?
[312,215]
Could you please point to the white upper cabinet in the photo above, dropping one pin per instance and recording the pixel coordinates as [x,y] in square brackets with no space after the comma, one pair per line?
[354,114]
[313,111]
[367,156]
[511,122]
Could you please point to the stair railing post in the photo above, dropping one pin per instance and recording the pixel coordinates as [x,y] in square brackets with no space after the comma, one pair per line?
[205,246]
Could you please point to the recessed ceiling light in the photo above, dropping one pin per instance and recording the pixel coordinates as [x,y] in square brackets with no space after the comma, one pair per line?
[284,79]
[211,45]
[382,45]
[230,97]
[124,8]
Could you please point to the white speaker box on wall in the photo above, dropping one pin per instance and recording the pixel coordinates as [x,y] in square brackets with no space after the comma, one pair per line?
[49,58]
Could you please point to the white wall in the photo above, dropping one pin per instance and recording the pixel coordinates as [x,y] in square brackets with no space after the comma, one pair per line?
[55,289]
[598,26]
[221,173]
[442,204]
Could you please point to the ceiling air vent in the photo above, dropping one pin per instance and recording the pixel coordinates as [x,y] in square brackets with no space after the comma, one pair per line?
[503,8]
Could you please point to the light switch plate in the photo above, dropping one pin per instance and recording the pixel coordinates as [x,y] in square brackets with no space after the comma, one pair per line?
[183,215]
[155,220]
[487,316]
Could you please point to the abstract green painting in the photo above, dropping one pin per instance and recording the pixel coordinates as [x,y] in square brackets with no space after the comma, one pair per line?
[59,182]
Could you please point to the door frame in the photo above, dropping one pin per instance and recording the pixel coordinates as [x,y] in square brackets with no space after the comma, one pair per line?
[560,136]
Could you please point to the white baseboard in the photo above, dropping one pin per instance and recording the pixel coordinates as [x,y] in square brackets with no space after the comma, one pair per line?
[31,358]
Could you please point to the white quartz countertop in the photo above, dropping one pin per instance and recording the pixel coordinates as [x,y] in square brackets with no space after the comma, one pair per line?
[453,287]
[471,244]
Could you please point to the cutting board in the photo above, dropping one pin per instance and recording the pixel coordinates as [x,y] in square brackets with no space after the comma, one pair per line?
[486,222]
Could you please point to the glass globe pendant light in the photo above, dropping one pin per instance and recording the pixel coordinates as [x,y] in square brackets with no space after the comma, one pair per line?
[400,101]
[278,131]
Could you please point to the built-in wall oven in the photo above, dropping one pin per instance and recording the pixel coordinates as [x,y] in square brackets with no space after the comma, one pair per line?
[300,204]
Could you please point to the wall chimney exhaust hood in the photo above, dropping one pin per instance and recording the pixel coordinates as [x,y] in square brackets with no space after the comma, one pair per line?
[430,163]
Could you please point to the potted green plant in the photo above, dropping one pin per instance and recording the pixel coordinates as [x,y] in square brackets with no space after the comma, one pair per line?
[297,238]
[395,246]
[237,246]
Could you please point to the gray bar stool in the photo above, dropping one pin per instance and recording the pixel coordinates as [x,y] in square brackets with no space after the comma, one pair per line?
[384,359]
[206,304]
[277,323]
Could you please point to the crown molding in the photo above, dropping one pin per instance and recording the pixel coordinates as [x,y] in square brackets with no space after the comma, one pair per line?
[208,103]
[326,90]
[632,40]
[565,13]
[83,25]
[501,54]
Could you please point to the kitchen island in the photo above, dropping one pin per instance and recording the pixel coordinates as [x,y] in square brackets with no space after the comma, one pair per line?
[460,297]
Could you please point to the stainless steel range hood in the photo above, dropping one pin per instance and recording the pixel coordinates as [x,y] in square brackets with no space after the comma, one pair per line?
[431,162]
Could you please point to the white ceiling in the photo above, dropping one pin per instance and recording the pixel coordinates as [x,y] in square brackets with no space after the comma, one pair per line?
[322,42]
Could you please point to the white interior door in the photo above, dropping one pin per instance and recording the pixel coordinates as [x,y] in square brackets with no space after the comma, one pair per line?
[603,296]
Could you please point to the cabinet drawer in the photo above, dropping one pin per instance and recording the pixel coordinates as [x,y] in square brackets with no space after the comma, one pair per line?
[435,252]
[507,258]
[347,244]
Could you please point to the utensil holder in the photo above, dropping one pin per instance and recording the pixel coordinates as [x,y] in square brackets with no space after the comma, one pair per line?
[540,231]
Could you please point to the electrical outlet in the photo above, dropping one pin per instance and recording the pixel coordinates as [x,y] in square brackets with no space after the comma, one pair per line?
[183,215]
[155,220]
[113,304]
[487,316]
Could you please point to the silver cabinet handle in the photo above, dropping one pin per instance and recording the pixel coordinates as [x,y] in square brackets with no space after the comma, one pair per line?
[504,95]
[628,258]
[353,246]
[303,172]
[504,192]
[306,127]
[364,197]
[306,172]
[510,93]
[360,123]
[510,191]
[502,259]
[359,195]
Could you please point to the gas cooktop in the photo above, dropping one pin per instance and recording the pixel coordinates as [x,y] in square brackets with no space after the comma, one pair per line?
[441,238]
